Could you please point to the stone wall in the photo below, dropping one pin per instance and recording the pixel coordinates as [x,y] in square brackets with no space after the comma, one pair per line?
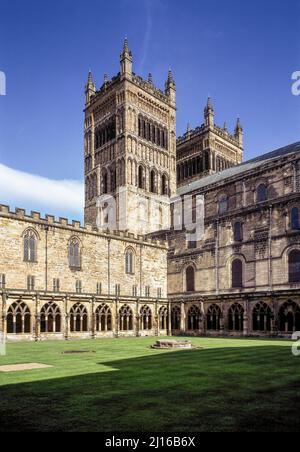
[102,257]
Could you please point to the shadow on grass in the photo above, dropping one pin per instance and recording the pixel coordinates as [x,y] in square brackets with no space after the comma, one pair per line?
[225,389]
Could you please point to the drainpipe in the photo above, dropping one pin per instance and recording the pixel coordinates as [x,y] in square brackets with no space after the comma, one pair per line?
[108,266]
[270,251]
[46,258]
[217,258]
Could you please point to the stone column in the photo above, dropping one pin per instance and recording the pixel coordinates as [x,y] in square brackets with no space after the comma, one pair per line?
[137,319]
[116,319]
[92,318]
[155,319]
[183,317]
[223,320]
[169,320]
[36,331]
[67,318]
[274,319]
[246,318]
[3,315]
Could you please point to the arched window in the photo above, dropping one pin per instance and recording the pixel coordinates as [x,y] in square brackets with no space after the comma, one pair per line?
[50,318]
[237,274]
[261,317]
[238,232]
[125,318]
[213,318]
[295,224]
[289,317]
[294,266]
[74,254]
[153,188]
[104,183]
[141,178]
[163,318]
[30,246]
[18,319]
[176,317]
[190,279]
[194,318]
[223,204]
[206,161]
[261,193]
[103,318]
[113,179]
[236,318]
[146,318]
[78,319]
[129,262]
[164,185]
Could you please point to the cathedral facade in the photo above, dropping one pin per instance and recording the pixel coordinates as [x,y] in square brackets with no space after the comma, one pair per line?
[136,267]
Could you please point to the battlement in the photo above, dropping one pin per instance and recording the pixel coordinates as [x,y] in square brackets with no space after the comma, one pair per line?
[150,88]
[76,226]
[146,85]
[194,133]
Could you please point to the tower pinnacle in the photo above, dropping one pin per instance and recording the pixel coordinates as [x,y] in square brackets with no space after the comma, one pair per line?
[239,133]
[171,88]
[90,88]
[126,59]
[209,113]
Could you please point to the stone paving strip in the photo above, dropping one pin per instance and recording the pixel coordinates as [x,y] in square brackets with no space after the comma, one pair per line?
[22,367]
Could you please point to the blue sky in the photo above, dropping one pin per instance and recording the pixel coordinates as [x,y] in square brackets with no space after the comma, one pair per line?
[242,54]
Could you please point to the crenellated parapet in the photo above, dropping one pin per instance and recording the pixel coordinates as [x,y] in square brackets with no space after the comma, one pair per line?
[76,226]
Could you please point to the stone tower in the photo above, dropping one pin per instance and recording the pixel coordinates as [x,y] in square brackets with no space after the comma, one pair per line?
[130,150]
[208,149]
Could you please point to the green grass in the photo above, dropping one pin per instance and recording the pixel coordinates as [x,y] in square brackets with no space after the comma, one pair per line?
[229,385]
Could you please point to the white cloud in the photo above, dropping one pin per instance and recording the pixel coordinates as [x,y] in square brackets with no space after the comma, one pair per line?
[58,197]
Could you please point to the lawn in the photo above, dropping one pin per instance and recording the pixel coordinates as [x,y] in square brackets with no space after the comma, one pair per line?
[124,385]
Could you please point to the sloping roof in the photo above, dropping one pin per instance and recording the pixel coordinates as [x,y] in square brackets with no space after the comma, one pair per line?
[239,169]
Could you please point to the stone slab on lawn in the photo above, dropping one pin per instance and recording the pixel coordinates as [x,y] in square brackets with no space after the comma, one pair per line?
[22,367]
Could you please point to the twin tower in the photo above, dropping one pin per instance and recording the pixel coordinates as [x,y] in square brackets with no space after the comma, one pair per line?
[131,170]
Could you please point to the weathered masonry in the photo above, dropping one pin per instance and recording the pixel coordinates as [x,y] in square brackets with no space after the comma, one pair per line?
[64,280]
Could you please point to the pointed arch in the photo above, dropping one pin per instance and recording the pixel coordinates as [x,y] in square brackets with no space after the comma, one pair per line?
[237,273]
[190,278]
[103,317]
[75,251]
[261,317]
[145,318]
[236,317]
[30,240]
[130,258]
[214,315]
[176,318]
[289,317]
[18,319]
[125,318]
[78,318]
[194,318]
[163,317]
[50,318]
[294,266]
[153,181]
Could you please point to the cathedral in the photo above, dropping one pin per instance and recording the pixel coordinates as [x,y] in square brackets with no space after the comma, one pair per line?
[138,267]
